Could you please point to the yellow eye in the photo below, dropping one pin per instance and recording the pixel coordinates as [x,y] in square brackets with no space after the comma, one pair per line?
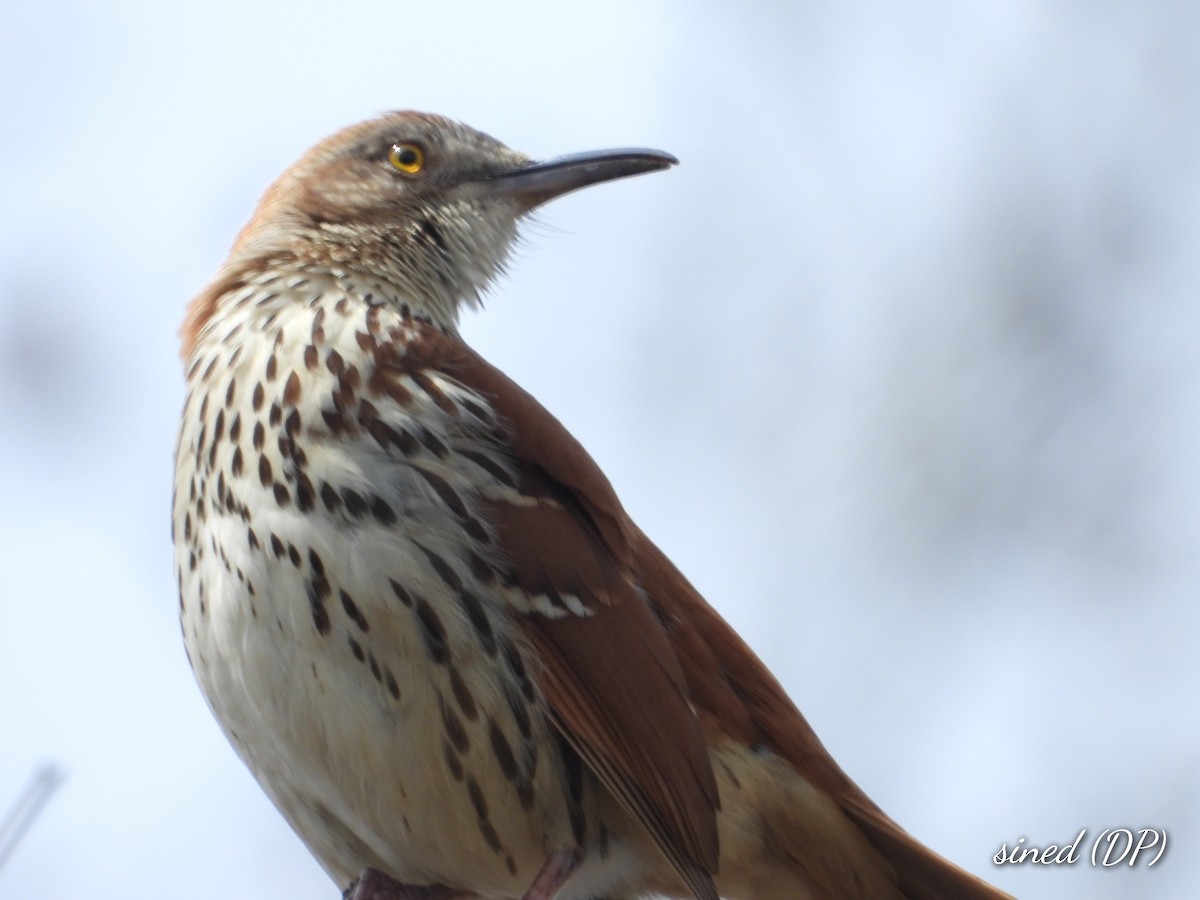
[408,158]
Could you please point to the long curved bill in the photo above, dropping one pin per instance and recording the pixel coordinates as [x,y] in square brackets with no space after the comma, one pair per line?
[539,182]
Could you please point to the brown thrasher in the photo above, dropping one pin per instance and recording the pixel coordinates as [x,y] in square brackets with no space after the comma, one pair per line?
[416,605]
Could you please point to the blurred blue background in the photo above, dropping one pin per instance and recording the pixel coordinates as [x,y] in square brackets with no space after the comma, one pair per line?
[901,366]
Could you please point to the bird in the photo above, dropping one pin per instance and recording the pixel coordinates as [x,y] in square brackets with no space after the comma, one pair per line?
[418,609]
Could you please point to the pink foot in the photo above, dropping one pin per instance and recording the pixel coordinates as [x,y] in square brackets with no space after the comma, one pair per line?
[372,884]
[555,872]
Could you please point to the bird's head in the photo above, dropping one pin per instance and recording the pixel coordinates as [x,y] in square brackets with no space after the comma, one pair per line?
[426,204]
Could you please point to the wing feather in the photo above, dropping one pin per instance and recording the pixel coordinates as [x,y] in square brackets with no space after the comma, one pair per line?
[628,678]
[607,667]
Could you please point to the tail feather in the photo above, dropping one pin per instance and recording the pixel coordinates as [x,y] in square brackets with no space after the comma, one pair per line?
[920,873]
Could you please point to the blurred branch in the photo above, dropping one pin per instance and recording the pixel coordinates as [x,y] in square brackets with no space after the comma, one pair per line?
[29,805]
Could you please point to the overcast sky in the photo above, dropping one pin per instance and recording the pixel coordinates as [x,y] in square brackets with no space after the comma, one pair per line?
[901,366]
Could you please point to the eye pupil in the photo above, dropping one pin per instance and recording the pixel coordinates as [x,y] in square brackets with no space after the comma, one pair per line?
[408,158]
